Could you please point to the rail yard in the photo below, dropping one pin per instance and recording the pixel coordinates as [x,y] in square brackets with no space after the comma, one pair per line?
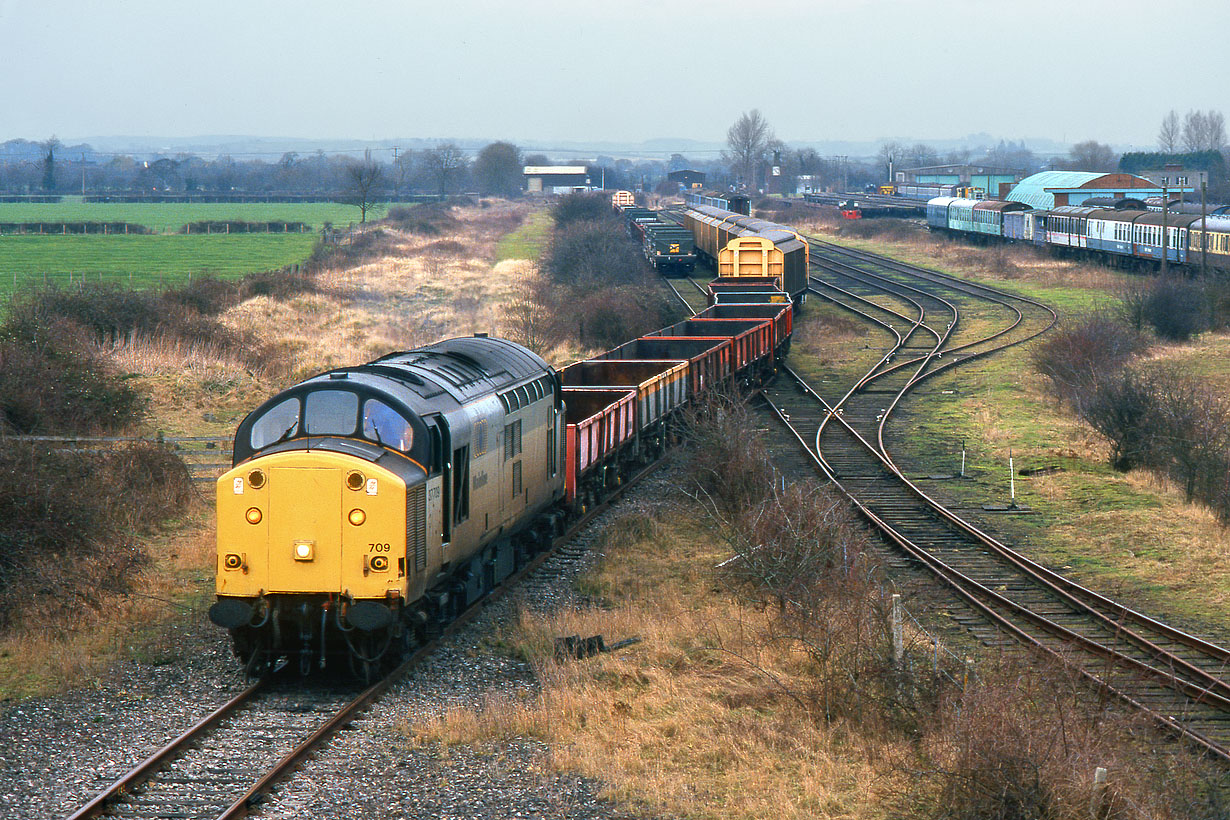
[618,413]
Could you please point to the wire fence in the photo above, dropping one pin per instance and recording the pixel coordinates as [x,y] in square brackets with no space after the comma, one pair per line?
[206,457]
[206,228]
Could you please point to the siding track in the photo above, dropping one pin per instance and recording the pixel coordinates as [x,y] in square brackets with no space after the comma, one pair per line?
[1177,678]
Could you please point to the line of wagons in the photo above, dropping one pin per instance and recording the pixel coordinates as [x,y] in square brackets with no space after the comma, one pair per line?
[618,402]
[717,229]
[666,245]
[1124,232]
[369,503]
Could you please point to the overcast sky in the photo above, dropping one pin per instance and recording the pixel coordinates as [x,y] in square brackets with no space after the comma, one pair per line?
[614,70]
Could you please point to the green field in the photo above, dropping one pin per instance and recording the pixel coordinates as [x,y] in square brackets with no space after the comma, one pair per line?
[170,217]
[143,261]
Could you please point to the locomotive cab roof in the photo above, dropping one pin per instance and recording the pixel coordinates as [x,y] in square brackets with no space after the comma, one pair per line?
[400,388]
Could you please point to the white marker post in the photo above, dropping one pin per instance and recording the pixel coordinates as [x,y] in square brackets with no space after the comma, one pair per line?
[1011,481]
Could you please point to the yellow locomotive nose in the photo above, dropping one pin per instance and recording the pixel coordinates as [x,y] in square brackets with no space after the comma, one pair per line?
[310,526]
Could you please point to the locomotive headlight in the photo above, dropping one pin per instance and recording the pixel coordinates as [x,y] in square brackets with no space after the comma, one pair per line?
[253,515]
[305,550]
[357,517]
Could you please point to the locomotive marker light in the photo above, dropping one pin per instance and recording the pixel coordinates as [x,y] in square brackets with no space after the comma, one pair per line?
[232,561]
[253,515]
[357,517]
[304,550]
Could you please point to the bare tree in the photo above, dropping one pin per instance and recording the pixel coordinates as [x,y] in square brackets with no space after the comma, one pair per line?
[526,318]
[365,179]
[891,153]
[443,163]
[747,142]
[1011,155]
[1216,131]
[1092,155]
[1168,135]
[497,169]
[1204,132]
[921,155]
[402,168]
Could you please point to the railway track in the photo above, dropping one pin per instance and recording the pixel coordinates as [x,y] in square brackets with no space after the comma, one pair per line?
[224,766]
[1174,677]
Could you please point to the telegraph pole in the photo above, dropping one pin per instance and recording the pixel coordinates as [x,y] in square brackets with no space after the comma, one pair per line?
[1204,230]
[396,175]
[1165,212]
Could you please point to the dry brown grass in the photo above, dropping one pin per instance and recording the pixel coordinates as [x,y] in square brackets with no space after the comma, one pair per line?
[707,719]
[697,720]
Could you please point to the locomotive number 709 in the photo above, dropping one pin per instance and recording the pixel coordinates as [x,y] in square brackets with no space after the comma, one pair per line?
[378,547]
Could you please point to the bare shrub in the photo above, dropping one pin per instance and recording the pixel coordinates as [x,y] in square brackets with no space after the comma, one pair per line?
[281,284]
[52,380]
[724,461]
[887,229]
[113,316]
[425,220]
[1022,741]
[774,208]
[1174,308]
[1122,406]
[207,295]
[69,520]
[1074,356]
[581,207]
[593,252]
[1190,434]
[526,315]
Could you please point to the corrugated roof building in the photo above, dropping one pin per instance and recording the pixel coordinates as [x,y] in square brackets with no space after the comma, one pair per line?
[556,179]
[1054,189]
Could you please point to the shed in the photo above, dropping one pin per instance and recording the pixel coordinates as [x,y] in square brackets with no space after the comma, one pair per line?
[1051,189]
[556,179]
[985,179]
[687,178]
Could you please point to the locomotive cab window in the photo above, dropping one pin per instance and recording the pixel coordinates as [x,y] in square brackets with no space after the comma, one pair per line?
[331,413]
[384,425]
[279,423]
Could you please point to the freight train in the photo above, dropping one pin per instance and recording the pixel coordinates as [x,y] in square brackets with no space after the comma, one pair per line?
[1123,236]
[665,244]
[740,246]
[369,505]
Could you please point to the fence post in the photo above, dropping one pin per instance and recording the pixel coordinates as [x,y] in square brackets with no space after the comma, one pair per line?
[1097,800]
[898,642]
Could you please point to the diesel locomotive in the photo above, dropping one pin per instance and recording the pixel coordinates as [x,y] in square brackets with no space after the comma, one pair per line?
[369,503]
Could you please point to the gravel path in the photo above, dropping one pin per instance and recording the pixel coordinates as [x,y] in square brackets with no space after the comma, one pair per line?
[56,753]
